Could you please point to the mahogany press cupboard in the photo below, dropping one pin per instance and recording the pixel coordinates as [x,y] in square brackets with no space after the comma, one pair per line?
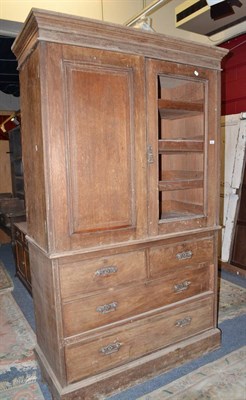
[120,151]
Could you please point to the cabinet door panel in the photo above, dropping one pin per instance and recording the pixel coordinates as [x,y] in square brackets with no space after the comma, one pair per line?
[183,137]
[101,194]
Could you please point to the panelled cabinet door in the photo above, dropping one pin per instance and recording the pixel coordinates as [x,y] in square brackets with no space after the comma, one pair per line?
[98,185]
[182,146]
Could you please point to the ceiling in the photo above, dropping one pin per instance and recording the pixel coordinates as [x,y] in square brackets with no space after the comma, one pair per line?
[9,76]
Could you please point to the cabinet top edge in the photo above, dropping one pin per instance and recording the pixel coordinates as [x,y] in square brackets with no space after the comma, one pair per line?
[56,27]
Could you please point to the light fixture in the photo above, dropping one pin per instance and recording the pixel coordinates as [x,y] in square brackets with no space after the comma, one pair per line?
[154,6]
[15,120]
[214,2]
[222,8]
[3,128]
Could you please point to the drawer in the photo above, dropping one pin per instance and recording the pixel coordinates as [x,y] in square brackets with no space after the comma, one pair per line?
[91,312]
[20,258]
[133,340]
[179,255]
[102,273]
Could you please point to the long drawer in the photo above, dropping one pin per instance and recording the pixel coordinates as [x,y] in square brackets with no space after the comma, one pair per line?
[91,312]
[102,273]
[179,255]
[132,340]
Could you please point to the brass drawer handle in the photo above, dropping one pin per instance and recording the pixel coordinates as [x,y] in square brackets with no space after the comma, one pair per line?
[180,287]
[106,271]
[184,255]
[183,322]
[106,308]
[110,348]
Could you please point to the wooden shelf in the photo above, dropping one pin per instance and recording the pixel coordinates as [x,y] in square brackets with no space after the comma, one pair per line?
[178,109]
[180,145]
[173,209]
[181,180]
[179,184]
[177,215]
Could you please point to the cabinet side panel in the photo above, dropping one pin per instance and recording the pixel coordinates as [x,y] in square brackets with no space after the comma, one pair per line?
[46,309]
[32,149]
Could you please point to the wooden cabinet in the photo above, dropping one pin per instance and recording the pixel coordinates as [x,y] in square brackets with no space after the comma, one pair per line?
[12,205]
[22,254]
[12,210]
[120,152]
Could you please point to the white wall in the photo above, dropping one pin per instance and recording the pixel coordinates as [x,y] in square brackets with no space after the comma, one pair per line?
[9,102]
[109,10]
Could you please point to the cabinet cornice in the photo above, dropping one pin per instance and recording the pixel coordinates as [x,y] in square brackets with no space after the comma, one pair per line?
[42,25]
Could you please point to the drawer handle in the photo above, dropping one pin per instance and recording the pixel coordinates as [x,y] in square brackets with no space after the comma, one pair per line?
[106,271]
[180,287]
[183,322]
[106,308]
[110,348]
[184,255]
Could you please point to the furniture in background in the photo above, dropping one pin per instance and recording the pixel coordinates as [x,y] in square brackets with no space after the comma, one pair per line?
[5,182]
[16,162]
[121,157]
[12,209]
[22,255]
[12,205]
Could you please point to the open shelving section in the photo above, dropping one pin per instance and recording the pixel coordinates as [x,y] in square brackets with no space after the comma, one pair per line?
[181,147]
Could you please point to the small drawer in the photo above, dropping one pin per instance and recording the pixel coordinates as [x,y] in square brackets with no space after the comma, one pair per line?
[164,258]
[102,273]
[133,340]
[91,312]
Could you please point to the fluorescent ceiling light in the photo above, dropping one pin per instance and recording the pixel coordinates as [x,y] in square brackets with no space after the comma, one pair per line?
[213,2]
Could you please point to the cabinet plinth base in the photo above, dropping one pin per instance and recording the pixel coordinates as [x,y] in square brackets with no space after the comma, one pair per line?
[110,382]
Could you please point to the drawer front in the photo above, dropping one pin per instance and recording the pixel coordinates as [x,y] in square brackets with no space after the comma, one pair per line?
[95,311]
[179,255]
[97,274]
[136,339]
[20,258]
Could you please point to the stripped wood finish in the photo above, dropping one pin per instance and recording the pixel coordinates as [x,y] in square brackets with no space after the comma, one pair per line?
[121,196]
